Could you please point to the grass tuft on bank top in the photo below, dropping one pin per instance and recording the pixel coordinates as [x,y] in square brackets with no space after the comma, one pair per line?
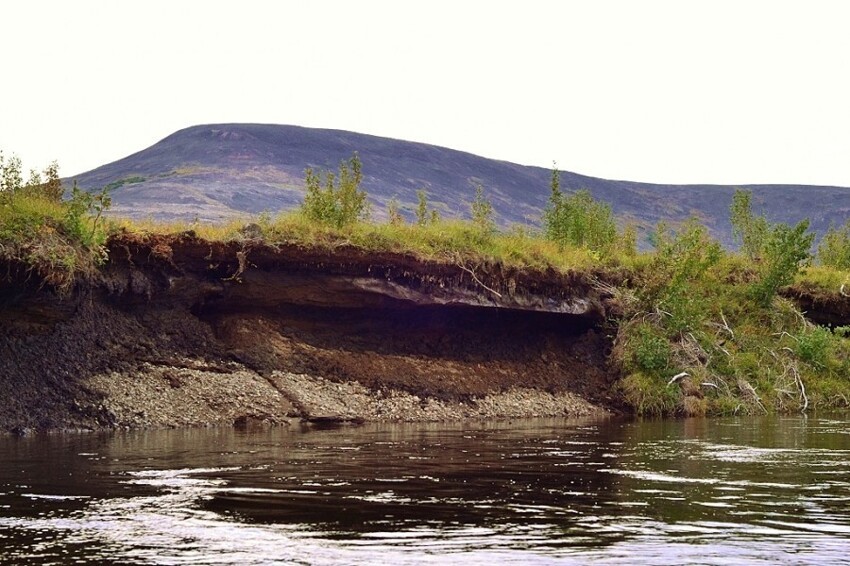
[58,239]
[447,240]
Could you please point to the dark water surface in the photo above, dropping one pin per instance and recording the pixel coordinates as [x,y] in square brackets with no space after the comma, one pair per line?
[721,491]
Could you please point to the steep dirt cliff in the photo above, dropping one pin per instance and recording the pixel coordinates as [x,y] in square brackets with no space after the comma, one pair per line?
[181,331]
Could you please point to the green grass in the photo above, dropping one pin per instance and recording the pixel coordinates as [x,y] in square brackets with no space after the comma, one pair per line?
[45,237]
[742,357]
[445,240]
[120,183]
[827,279]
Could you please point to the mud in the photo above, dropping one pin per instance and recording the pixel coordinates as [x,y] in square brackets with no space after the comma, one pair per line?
[177,331]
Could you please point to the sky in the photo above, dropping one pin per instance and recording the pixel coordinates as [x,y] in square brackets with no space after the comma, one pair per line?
[730,92]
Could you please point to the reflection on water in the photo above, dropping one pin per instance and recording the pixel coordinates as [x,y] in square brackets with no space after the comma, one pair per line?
[611,491]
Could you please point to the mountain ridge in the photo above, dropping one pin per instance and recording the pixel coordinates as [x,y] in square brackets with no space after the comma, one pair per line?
[215,171]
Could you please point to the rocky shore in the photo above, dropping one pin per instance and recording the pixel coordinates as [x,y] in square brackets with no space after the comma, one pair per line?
[174,397]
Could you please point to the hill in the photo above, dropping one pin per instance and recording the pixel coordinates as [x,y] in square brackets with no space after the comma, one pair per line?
[211,172]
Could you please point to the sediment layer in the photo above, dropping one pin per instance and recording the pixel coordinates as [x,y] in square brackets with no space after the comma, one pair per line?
[178,331]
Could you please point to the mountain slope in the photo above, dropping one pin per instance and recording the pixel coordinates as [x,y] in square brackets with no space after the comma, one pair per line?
[211,172]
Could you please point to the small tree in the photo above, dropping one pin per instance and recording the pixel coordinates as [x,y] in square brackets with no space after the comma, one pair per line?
[578,220]
[34,178]
[482,211]
[394,213]
[786,251]
[834,248]
[83,219]
[336,201]
[627,243]
[424,215]
[680,267]
[552,217]
[51,186]
[11,178]
[45,184]
[749,231]
[780,249]
[421,207]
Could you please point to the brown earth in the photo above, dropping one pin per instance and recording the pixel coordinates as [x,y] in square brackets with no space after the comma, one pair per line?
[821,306]
[180,331]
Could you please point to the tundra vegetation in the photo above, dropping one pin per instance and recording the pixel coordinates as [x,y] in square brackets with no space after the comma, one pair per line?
[58,239]
[701,330]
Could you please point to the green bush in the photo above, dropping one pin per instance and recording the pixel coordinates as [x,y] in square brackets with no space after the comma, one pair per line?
[815,347]
[627,243]
[748,230]
[394,216]
[59,241]
[46,185]
[677,278]
[834,248]
[650,350]
[421,207]
[786,251]
[578,220]
[482,212]
[780,250]
[424,216]
[83,217]
[336,201]
[843,331]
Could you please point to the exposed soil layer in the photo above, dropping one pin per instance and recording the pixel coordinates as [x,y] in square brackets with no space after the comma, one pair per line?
[820,305]
[180,331]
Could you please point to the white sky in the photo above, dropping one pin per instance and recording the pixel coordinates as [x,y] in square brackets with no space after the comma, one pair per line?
[660,91]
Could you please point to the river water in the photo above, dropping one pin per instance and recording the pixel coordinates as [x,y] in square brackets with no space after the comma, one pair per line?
[710,491]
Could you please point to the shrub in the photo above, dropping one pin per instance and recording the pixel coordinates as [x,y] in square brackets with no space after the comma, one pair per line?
[59,241]
[627,243]
[421,207]
[843,331]
[781,250]
[815,347]
[676,281]
[83,216]
[46,185]
[786,251]
[834,248]
[482,211]
[650,351]
[748,230]
[578,220]
[424,216]
[394,216]
[336,200]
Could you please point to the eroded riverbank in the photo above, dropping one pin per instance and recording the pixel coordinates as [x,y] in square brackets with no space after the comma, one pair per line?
[177,331]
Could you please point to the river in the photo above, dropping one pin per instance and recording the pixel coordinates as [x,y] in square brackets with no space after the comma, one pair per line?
[709,491]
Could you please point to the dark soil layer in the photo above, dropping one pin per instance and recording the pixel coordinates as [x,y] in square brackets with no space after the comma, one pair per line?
[179,308]
[444,352]
[821,306]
